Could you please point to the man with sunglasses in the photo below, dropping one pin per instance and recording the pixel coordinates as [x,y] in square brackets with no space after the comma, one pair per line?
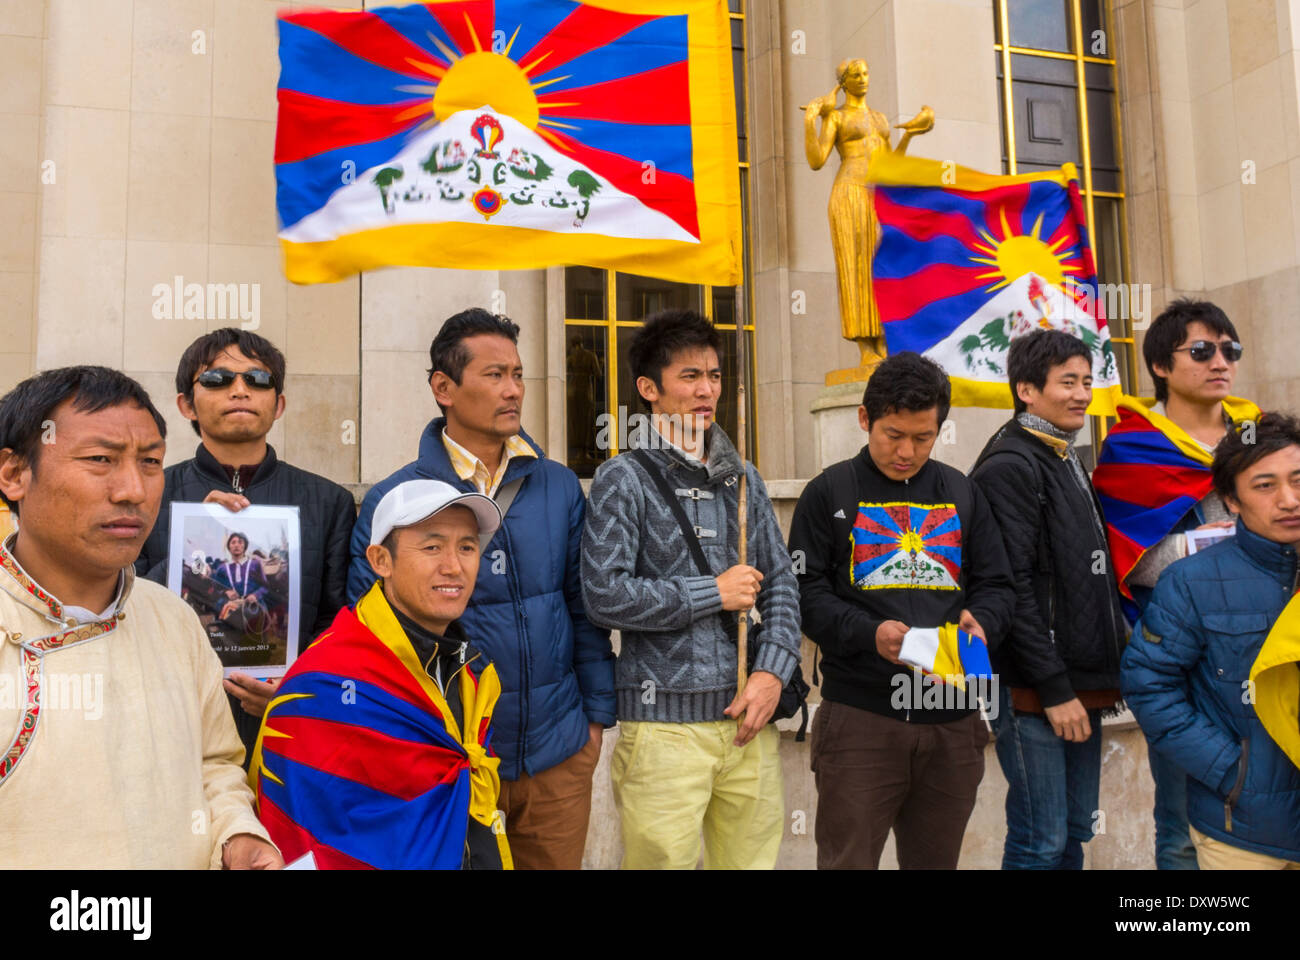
[230,386]
[1154,484]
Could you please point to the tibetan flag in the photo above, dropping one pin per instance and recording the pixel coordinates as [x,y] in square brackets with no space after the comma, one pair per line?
[947,653]
[967,262]
[1150,472]
[1275,676]
[360,761]
[509,134]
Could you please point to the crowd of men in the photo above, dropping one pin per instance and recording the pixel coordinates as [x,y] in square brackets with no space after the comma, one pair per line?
[457,671]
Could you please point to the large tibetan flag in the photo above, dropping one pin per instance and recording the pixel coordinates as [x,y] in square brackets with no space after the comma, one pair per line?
[1150,472]
[360,761]
[947,653]
[967,262]
[509,134]
[1275,676]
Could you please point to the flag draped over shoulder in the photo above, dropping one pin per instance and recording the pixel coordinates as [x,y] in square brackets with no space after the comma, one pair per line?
[1149,474]
[509,134]
[1275,676]
[948,653]
[967,262]
[359,759]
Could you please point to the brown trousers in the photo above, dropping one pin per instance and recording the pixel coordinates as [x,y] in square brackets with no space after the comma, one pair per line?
[546,814]
[875,773]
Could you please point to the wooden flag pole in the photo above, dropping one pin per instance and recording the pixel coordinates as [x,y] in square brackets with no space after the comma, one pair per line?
[742,508]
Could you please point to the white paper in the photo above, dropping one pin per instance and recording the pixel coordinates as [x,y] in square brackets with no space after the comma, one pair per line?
[1198,540]
[920,647]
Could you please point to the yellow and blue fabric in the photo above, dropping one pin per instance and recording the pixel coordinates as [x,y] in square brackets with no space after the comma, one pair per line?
[1150,473]
[1275,677]
[509,134]
[471,468]
[967,262]
[360,760]
[948,653]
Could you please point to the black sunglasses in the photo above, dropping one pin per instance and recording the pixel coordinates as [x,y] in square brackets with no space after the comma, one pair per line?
[1204,350]
[219,379]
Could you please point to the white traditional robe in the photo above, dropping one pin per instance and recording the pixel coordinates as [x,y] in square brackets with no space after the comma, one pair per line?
[117,747]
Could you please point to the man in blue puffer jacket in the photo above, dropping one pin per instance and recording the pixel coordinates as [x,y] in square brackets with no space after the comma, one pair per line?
[556,668]
[1186,671]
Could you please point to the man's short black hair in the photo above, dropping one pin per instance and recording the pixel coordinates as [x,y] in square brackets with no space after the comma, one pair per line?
[1169,330]
[1247,443]
[448,353]
[664,334]
[236,533]
[907,382]
[26,409]
[205,349]
[1032,357]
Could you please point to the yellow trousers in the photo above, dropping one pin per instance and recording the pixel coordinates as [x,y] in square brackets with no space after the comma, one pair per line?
[1212,854]
[673,781]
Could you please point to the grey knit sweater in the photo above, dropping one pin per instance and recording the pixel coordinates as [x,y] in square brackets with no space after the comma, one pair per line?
[677,662]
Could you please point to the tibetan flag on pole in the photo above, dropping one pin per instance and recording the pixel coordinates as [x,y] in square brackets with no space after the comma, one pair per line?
[509,134]
[947,653]
[1150,472]
[967,262]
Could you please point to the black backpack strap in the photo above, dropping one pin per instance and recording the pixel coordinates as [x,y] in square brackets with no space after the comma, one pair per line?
[689,533]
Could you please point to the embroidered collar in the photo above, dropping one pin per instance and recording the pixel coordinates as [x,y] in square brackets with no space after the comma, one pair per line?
[35,649]
[49,604]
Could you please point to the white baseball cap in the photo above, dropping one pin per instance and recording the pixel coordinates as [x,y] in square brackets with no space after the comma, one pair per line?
[415,500]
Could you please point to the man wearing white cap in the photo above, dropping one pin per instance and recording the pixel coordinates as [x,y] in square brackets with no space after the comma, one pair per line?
[376,750]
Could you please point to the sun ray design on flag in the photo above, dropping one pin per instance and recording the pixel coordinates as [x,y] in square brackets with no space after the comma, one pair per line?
[609,90]
[906,545]
[1016,254]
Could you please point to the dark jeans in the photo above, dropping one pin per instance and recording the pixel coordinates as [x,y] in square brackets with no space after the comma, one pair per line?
[875,773]
[1174,850]
[1052,789]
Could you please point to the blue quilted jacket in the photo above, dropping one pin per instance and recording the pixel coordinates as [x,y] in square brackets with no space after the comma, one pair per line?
[556,668]
[1185,676]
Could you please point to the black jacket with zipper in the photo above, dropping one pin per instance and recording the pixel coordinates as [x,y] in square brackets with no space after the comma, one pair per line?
[869,549]
[326,512]
[1069,631]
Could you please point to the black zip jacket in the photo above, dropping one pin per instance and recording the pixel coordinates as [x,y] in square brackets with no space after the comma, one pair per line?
[1069,629]
[326,512]
[868,549]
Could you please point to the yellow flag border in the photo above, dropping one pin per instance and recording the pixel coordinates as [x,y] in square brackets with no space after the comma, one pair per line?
[1276,688]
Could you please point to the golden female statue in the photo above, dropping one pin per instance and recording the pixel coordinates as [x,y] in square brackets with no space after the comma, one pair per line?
[857,132]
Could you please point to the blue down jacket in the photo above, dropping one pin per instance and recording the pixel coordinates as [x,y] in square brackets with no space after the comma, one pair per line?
[1186,677]
[556,668]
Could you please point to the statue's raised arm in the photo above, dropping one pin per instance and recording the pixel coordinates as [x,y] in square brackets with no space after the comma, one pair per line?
[857,132]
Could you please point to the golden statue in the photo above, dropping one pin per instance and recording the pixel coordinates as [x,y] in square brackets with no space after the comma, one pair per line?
[857,132]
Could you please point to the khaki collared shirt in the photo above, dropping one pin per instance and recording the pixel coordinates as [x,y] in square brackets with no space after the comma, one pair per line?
[470,467]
